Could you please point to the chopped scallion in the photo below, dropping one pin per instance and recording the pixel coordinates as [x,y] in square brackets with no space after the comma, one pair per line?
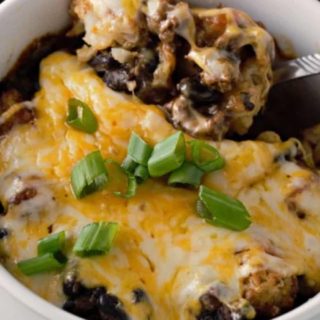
[131,188]
[139,150]
[81,117]
[167,155]
[52,244]
[187,174]
[221,210]
[141,173]
[45,263]
[89,175]
[205,156]
[96,239]
[129,164]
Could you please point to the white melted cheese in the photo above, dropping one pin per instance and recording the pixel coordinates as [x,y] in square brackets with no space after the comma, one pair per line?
[107,21]
[163,247]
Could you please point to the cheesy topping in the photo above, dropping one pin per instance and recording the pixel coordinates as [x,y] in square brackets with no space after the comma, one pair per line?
[120,24]
[163,247]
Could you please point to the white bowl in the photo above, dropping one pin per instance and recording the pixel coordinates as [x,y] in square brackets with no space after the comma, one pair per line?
[295,21]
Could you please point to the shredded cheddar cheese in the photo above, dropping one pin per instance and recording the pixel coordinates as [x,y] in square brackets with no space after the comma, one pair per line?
[163,246]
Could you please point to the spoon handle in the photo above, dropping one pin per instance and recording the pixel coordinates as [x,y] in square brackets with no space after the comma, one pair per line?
[297,68]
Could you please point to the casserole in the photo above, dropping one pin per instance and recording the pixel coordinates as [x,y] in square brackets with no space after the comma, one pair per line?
[50,29]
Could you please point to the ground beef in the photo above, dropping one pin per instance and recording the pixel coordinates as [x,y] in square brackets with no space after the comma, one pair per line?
[209,29]
[22,116]
[8,98]
[24,195]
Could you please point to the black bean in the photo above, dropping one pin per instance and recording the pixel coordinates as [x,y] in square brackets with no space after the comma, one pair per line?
[83,305]
[104,61]
[154,95]
[96,293]
[192,89]
[146,63]
[91,303]
[117,80]
[111,306]
[99,291]
[108,302]
[73,288]
[3,233]
[69,306]
[115,314]
[115,75]
[206,315]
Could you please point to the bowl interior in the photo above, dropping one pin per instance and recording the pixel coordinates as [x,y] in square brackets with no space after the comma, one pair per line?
[23,21]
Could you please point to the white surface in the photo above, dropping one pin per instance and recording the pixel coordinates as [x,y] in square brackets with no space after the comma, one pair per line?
[11,309]
[23,20]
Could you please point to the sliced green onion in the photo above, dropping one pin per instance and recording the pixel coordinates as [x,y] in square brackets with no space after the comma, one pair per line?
[129,164]
[89,175]
[131,189]
[96,239]
[81,117]
[202,211]
[141,173]
[167,155]
[187,174]
[45,263]
[139,150]
[221,210]
[52,244]
[205,156]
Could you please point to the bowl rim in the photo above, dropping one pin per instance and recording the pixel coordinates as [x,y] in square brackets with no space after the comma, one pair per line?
[33,301]
[44,308]
[50,311]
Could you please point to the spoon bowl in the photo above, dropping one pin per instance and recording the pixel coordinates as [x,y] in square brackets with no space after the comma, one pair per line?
[292,107]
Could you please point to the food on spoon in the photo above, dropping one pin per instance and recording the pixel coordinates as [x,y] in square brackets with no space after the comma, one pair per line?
[209,69]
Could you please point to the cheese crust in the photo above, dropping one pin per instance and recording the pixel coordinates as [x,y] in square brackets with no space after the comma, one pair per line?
[163,247]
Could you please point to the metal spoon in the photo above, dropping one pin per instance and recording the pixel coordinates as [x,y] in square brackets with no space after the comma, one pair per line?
[294,101]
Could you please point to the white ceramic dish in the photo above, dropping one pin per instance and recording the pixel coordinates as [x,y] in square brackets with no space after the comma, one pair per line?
[12,309]
[23,21]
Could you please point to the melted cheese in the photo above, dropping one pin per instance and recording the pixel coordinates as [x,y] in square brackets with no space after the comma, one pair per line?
[106,21]
[163,246]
